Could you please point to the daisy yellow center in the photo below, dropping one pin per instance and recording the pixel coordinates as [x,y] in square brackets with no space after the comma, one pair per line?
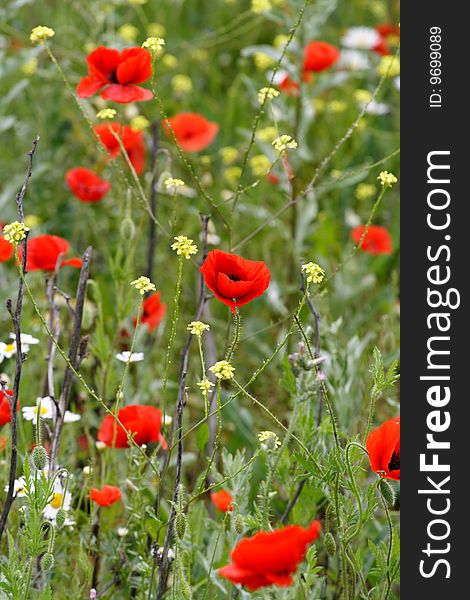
[9,348]
[56,500]
[43,410]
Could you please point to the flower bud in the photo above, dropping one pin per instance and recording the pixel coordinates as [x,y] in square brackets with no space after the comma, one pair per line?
[127,229]
[60,518]
[239,524]
[330,544]
[388,493]
[180,525]
[47,561]
[39,457]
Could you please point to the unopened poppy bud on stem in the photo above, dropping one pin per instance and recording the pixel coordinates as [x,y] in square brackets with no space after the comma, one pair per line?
[330,544]
[39,457]
[388,493]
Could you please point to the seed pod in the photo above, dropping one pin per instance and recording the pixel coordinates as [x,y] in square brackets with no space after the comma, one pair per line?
[127,229]
[180,525]
[47,561]
[39,457]
[388,493]
[239,524]
[330,544]
[60,517]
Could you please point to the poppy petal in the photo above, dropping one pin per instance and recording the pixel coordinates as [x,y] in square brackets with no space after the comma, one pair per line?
[126,93]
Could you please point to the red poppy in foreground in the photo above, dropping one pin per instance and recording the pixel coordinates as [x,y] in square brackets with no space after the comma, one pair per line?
[222,500]
[109,494]
[43,252]
[153,311]
[270,558]
[119,72]
[143,421]
[86,184]
[193,132]
[5,412]
[319,56]
[6,250]
[376,241]
[233,279]
[133,142]
[383,446]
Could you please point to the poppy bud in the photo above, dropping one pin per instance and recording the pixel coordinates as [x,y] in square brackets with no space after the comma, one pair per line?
[330,544]
[39,457]
[387,492]
[239,524]
[127,229]
[60,518]
[180,525]
[47,561]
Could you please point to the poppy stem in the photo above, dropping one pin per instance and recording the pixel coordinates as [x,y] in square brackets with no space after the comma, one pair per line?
[236,335]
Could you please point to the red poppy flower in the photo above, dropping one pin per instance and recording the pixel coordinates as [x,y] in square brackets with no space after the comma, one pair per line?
[5,412]
[153,311]
[233,279]
[376,241]
[270,558]
[119,72]
[109,494]
[222,500]
[319,56]
[43,252]
[193,132]
[133,142]
[386,31]
[273,178]
[6,250]
[86,184]
[383,446]
[289,86]
[144,421]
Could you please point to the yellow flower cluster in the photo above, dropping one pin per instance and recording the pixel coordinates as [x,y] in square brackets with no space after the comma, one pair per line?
[283,142]
[260,6]
[205,386]
[364,191]
[198,327]
[266,134]
[181,84]
[269,441]
[106,113]
[222,370]
[263,61]
[15,232]
[144,285]
[40,34]
[128,32]
[260,165]
[267,93]
[315,274]
[184,246]
[228,154]
[386,179]
[139,122]
[173,184]
[154,44]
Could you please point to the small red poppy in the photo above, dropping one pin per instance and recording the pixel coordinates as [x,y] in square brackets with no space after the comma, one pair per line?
[109,494]
[319,56]
[5,412]
[193,132]
[376,241]
[43,252]
[6,250]
[383,446]
[386,31]
[119,72]
[289,86]
[270,558]
[233,279]
[144,421]
[133,142]
[86,184]
[222,500]
[153,311]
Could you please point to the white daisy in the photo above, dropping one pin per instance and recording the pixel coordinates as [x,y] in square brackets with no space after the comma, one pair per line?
[130,357]
[58,500]
[47,410]
[353,60]
[19,490]
[377,108]
[27,340]
[7,350]
[364,38]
